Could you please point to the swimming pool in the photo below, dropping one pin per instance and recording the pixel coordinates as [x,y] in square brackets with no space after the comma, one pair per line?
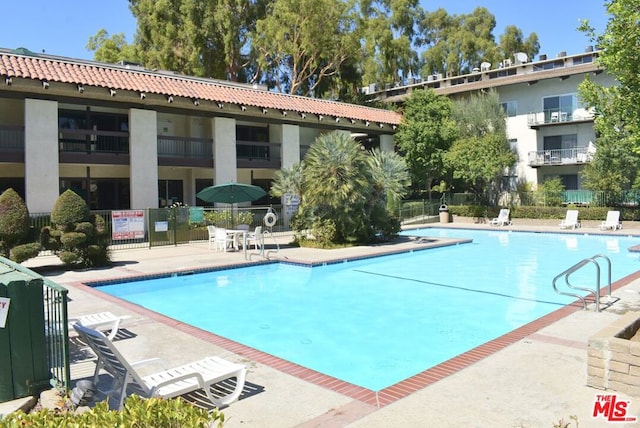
[377,321]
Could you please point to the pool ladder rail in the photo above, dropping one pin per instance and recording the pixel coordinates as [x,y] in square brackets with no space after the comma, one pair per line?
[261,252]
[596,292]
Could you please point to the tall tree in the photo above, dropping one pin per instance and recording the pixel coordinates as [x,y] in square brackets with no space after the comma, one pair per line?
[197,37]
[425,134]
[616,109]
[512,41]
[301,43]
[481,154]
[456,44]
[112,49]
[388,29]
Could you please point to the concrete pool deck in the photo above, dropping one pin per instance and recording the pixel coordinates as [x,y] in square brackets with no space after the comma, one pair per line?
[535,377]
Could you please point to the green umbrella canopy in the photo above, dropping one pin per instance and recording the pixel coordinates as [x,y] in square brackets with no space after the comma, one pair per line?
[231,193]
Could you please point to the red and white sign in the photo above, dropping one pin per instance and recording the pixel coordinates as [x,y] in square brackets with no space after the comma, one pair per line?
[127,225]
[608,407]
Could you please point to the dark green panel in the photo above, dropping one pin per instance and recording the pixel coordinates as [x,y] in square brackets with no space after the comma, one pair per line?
[37,332]
[20,340]
[6,375]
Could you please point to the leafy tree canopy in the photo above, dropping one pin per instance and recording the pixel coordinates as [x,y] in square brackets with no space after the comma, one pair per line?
[425,134]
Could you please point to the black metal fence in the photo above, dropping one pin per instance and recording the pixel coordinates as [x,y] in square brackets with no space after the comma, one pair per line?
[168,226]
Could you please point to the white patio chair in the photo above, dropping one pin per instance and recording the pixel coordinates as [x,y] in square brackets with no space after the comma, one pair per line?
[257,237]
[168,383]
[222,240]
[212,235]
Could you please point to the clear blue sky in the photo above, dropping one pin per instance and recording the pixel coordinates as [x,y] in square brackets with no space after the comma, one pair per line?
[64,27]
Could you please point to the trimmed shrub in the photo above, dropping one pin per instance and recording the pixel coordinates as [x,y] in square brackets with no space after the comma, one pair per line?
[14,218]
[81,239]
[69,209]
[15,228]
[23,252]
[137,412]
[72,240]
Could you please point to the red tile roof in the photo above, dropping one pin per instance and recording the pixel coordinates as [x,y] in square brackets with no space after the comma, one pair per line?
[88,73]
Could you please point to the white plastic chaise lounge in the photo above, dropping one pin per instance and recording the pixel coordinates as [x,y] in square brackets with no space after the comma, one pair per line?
[502,219]
[612,222]
[168,383]
[571,220]
[100,319]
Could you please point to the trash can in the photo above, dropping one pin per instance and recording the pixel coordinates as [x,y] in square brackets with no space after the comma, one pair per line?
[444,214]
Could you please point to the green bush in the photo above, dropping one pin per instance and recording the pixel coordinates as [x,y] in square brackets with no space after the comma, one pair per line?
[14,218]
[223,218]
[81,238]
[68,209]
[23,252]
[15,228]
[71,240]
[137,413]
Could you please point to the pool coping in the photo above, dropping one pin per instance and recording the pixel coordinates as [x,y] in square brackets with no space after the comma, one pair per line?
[377,399]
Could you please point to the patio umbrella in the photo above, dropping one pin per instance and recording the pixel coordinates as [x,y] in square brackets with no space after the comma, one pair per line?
[231,193]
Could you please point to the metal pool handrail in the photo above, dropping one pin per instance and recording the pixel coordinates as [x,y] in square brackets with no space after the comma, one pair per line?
[567,273]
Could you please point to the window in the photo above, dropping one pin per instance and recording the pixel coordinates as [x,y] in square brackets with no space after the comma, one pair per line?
[559,108]
[169,192]
[100,194]
[201,184]
[510,108]
[557,142]
[258,134]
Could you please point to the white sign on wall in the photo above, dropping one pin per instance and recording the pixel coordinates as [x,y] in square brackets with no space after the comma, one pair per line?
[4,310]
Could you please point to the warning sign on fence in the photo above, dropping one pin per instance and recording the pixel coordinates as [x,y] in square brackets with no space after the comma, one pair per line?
[127,225]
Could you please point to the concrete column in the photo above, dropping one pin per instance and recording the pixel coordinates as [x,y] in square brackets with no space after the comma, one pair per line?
[224,150]
[290,140]
[42,180]
[387,143]
[143,155]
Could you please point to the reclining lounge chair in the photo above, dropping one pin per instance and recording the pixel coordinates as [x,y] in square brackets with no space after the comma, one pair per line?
[168,383]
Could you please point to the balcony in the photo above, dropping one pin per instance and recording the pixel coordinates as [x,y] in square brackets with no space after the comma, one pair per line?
[185,151]
[558,117]
[93,146]
[553,157]
[256,154]
[12,143]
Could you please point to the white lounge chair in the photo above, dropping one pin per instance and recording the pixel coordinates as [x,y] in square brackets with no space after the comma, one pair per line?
[168,383]
[571,220]
[100,319]
[612,222]
[502,219]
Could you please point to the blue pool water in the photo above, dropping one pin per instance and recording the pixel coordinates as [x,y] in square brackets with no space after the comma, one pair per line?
[377,321]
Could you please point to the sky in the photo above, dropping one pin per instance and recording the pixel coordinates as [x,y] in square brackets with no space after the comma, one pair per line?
[64,27]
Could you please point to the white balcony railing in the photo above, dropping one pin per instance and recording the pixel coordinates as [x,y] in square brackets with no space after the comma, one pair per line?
[559,116]
[577,155]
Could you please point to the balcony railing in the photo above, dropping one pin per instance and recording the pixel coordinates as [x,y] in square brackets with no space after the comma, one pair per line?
[93,141]
[11,138]
[553,116]
[577,155]
[185,147]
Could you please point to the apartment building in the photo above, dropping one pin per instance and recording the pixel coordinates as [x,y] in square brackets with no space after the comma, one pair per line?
[547,125]
[124,137]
